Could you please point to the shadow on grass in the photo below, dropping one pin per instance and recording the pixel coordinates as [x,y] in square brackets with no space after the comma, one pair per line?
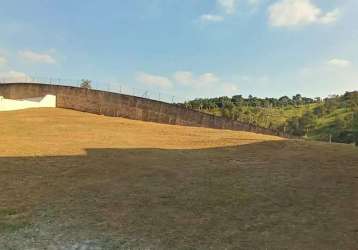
[269,195]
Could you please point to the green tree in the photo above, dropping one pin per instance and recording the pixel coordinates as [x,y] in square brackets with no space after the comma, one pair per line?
[294,126]
[297,99]
[308,122]
[87,84]
[355,121]
[340,124]
[284,101]
[331,104]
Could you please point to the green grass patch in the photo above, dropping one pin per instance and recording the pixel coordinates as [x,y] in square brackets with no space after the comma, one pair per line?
[4,212]
[11,220]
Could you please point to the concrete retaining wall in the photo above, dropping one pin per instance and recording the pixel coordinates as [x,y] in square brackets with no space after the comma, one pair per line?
[49,101]
[115,104]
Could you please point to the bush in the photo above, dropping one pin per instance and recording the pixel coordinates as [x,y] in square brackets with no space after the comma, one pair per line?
[87,84]
[346,137]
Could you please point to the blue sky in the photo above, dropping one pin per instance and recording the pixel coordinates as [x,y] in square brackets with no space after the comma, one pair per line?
[186,48]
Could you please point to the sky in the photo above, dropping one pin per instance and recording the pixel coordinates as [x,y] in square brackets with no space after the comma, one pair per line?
[185,48]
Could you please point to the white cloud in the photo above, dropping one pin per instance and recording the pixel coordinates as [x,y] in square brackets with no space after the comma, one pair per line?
[183,77]
[187,78]
[34,57]
[3,60]
[208,78]
[341,63]
[185,82]
[154,80]
[229,6]
[205,84]
[14,76]
[254,2]
[286,13]
[211,18]
[330,17]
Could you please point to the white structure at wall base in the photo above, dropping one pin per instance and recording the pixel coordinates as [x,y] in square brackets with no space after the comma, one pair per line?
[49,101]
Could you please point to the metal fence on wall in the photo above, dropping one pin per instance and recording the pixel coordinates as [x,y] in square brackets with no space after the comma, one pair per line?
[115,87]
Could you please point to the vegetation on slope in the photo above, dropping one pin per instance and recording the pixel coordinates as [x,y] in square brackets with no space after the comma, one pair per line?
[335,117]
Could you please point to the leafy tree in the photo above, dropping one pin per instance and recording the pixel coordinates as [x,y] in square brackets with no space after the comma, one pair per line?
[340,124]
[308,121]
[294,126]
[351,98]
[331,104]
[87,84]
[297,99]
[355,121]
[284,101]
[277,113]
[237,99]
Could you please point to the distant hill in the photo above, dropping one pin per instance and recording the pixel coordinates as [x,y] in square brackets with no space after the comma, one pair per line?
[335,117]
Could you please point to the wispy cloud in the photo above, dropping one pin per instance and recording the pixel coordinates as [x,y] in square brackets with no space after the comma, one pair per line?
[341,63]
[330,17]
[206,84]
[154,80]
[211,18]
[254,2]
[229,6]
[14,76]
[3,60]
[34,57]
[187,78]
[287,13]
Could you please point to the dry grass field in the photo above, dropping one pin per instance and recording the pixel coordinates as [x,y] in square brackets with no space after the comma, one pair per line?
[71,180]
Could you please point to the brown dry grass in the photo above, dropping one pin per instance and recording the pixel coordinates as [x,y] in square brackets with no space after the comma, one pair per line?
[65,132]
[71,180]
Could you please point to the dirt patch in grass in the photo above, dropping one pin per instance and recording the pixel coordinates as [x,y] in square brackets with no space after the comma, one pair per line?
[80,180]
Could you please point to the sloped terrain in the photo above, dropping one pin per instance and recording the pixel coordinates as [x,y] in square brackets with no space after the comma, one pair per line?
[70,180]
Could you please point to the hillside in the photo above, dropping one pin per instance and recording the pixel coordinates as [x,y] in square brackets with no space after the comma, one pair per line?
[34,131]
[72,180]
[316,119]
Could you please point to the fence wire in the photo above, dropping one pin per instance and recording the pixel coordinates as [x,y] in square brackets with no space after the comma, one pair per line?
[109,86]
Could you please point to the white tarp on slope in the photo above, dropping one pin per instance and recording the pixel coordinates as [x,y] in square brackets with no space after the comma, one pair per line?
[49,101]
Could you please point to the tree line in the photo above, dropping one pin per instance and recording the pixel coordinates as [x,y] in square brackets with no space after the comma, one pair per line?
[251,101]
[333,118]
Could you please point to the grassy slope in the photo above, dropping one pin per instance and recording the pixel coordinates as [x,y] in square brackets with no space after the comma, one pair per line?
[34,132]
[323,124]
[279,116]
[71,180]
